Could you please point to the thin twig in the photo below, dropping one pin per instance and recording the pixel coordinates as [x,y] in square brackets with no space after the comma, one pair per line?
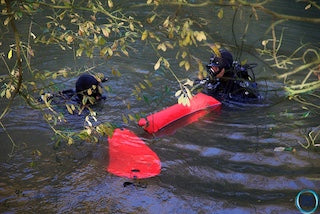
[9,136]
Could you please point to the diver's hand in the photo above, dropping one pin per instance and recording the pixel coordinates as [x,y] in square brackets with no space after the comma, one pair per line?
[201,82]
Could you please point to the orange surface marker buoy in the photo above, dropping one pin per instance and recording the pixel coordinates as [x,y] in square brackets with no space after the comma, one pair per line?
[163,118]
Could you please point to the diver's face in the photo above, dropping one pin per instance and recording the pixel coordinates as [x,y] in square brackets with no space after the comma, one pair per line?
[215,69]
[215,65]
[221,73]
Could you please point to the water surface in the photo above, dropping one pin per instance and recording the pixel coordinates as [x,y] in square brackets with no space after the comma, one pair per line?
[224,163]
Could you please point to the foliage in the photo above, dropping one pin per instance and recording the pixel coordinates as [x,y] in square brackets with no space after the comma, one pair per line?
[106,29]
[305,61]
[71,26]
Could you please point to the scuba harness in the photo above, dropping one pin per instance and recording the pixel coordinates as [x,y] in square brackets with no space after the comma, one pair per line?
[235,83]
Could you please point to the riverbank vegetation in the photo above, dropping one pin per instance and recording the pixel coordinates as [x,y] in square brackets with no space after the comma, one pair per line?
[108,29]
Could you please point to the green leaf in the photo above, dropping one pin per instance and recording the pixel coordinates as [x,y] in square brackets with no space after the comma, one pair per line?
[33,164]
[305,115]
[115,72]
[187,65]
[157,65]
[189,82]
[3,92]
[84,100]
[166,22]
[69,108]
[70,141]
[183,55]
[6,22]
[125,52]
[101,41]
[150,20]
[8,94]
[144,35]
[103,51]
[106,31]
[243,62]
[61,16]
[182,63]
[79,52]
[187,101]
[200,35]
[10,54]
[124,118]
[131,118]
[166,63]
[110,3]
[180,99]
[189,93]
[220,14]
[162,47]
[308,7]
[142,86]
[89,91]
[131,26]
[148,83]
[178,93]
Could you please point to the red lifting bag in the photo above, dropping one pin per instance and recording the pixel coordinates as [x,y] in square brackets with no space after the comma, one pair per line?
[130,157]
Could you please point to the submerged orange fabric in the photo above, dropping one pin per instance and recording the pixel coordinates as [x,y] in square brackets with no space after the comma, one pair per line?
[130,157]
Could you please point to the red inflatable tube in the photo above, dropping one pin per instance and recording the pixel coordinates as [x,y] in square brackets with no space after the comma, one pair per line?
[161,119]
[191,118]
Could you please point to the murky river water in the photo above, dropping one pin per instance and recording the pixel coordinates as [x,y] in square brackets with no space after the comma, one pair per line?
[224,163]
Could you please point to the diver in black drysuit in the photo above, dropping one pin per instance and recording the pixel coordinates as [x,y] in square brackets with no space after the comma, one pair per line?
[83,84]
[228,80]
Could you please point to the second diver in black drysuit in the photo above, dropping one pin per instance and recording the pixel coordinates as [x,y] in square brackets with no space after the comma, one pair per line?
[228,80]
[88,90]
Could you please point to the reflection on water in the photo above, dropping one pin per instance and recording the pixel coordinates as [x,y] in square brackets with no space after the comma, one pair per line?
[223,163]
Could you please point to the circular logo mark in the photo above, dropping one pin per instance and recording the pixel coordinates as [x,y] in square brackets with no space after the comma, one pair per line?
[307,201]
